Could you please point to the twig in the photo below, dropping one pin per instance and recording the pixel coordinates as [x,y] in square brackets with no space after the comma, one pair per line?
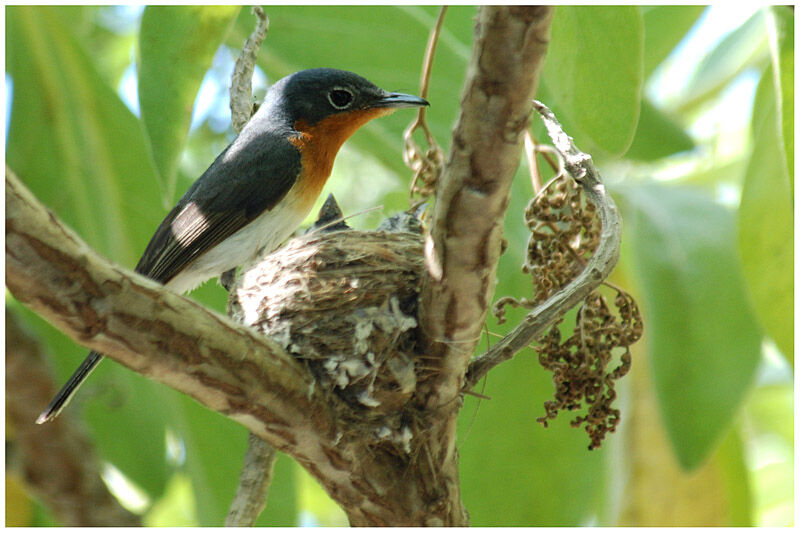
[580,166]
[427,166]
[241,81]
[259,460]
[254,482]
[533,164]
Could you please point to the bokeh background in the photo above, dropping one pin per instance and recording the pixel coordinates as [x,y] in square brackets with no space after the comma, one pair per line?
[111,112]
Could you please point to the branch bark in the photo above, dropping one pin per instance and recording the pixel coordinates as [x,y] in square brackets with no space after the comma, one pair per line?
[464,245]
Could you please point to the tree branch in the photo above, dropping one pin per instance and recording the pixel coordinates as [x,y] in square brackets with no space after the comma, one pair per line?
[464,244]
[254,482]
[580,166]
[159,334]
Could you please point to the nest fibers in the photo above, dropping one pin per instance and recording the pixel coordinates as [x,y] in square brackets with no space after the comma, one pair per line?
[345,303]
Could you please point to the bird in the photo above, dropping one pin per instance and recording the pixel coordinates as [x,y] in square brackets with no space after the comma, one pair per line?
[259,189]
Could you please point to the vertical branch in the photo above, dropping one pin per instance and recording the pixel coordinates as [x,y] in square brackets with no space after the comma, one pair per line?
[241,81]
[463,247]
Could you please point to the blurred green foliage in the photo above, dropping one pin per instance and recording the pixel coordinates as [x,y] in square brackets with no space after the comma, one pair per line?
[707,247]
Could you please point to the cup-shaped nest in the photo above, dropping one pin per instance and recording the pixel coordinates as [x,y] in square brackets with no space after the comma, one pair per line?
[345,303]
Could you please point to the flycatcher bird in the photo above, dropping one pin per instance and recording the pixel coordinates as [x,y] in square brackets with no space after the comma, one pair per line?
[260,188]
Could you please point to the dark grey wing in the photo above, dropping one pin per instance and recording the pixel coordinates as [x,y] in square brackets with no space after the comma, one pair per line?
[248,177]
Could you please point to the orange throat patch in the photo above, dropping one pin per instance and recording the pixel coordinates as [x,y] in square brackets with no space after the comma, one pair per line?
[319,144]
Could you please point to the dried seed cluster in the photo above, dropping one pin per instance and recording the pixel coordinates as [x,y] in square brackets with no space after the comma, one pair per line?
[427,166]
[580,362]
[564,234]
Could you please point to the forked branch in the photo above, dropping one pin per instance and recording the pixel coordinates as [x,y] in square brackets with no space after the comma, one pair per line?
[579,165]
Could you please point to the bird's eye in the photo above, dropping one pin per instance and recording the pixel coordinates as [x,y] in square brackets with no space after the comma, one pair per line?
[340,98]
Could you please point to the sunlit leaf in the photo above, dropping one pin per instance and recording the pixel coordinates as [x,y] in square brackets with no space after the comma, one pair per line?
[782,44]
[594,76]
[703,338]
[744,47]
[766,224]
[730,462]
[176,45]
[664,28]
[71,139]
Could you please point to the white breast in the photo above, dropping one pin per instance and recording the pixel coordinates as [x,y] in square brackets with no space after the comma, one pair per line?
[261,236]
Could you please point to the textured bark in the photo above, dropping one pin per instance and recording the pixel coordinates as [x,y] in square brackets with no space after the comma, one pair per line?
[57,461]
[471,199]
[464,245]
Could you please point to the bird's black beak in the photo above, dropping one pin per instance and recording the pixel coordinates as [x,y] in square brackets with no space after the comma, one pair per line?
[398,100]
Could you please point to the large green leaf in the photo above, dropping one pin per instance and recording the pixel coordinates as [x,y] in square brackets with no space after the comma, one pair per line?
[766,223]
[593,73]
[664,28]
[703,338]
[176,45]
[80,150]
[72,141]
[782,46]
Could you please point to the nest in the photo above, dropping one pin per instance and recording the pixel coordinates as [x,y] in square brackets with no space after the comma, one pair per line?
[344,303]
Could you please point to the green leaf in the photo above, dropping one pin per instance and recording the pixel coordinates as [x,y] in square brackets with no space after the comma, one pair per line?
[730,462]
[766,223]
[781,21]
[593,73]
[743,48]
[72,140]
[664,28]
[703,339]
[80,150]
[176,46]
[657,135]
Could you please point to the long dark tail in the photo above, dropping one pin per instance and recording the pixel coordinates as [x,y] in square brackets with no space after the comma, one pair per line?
[68,390]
